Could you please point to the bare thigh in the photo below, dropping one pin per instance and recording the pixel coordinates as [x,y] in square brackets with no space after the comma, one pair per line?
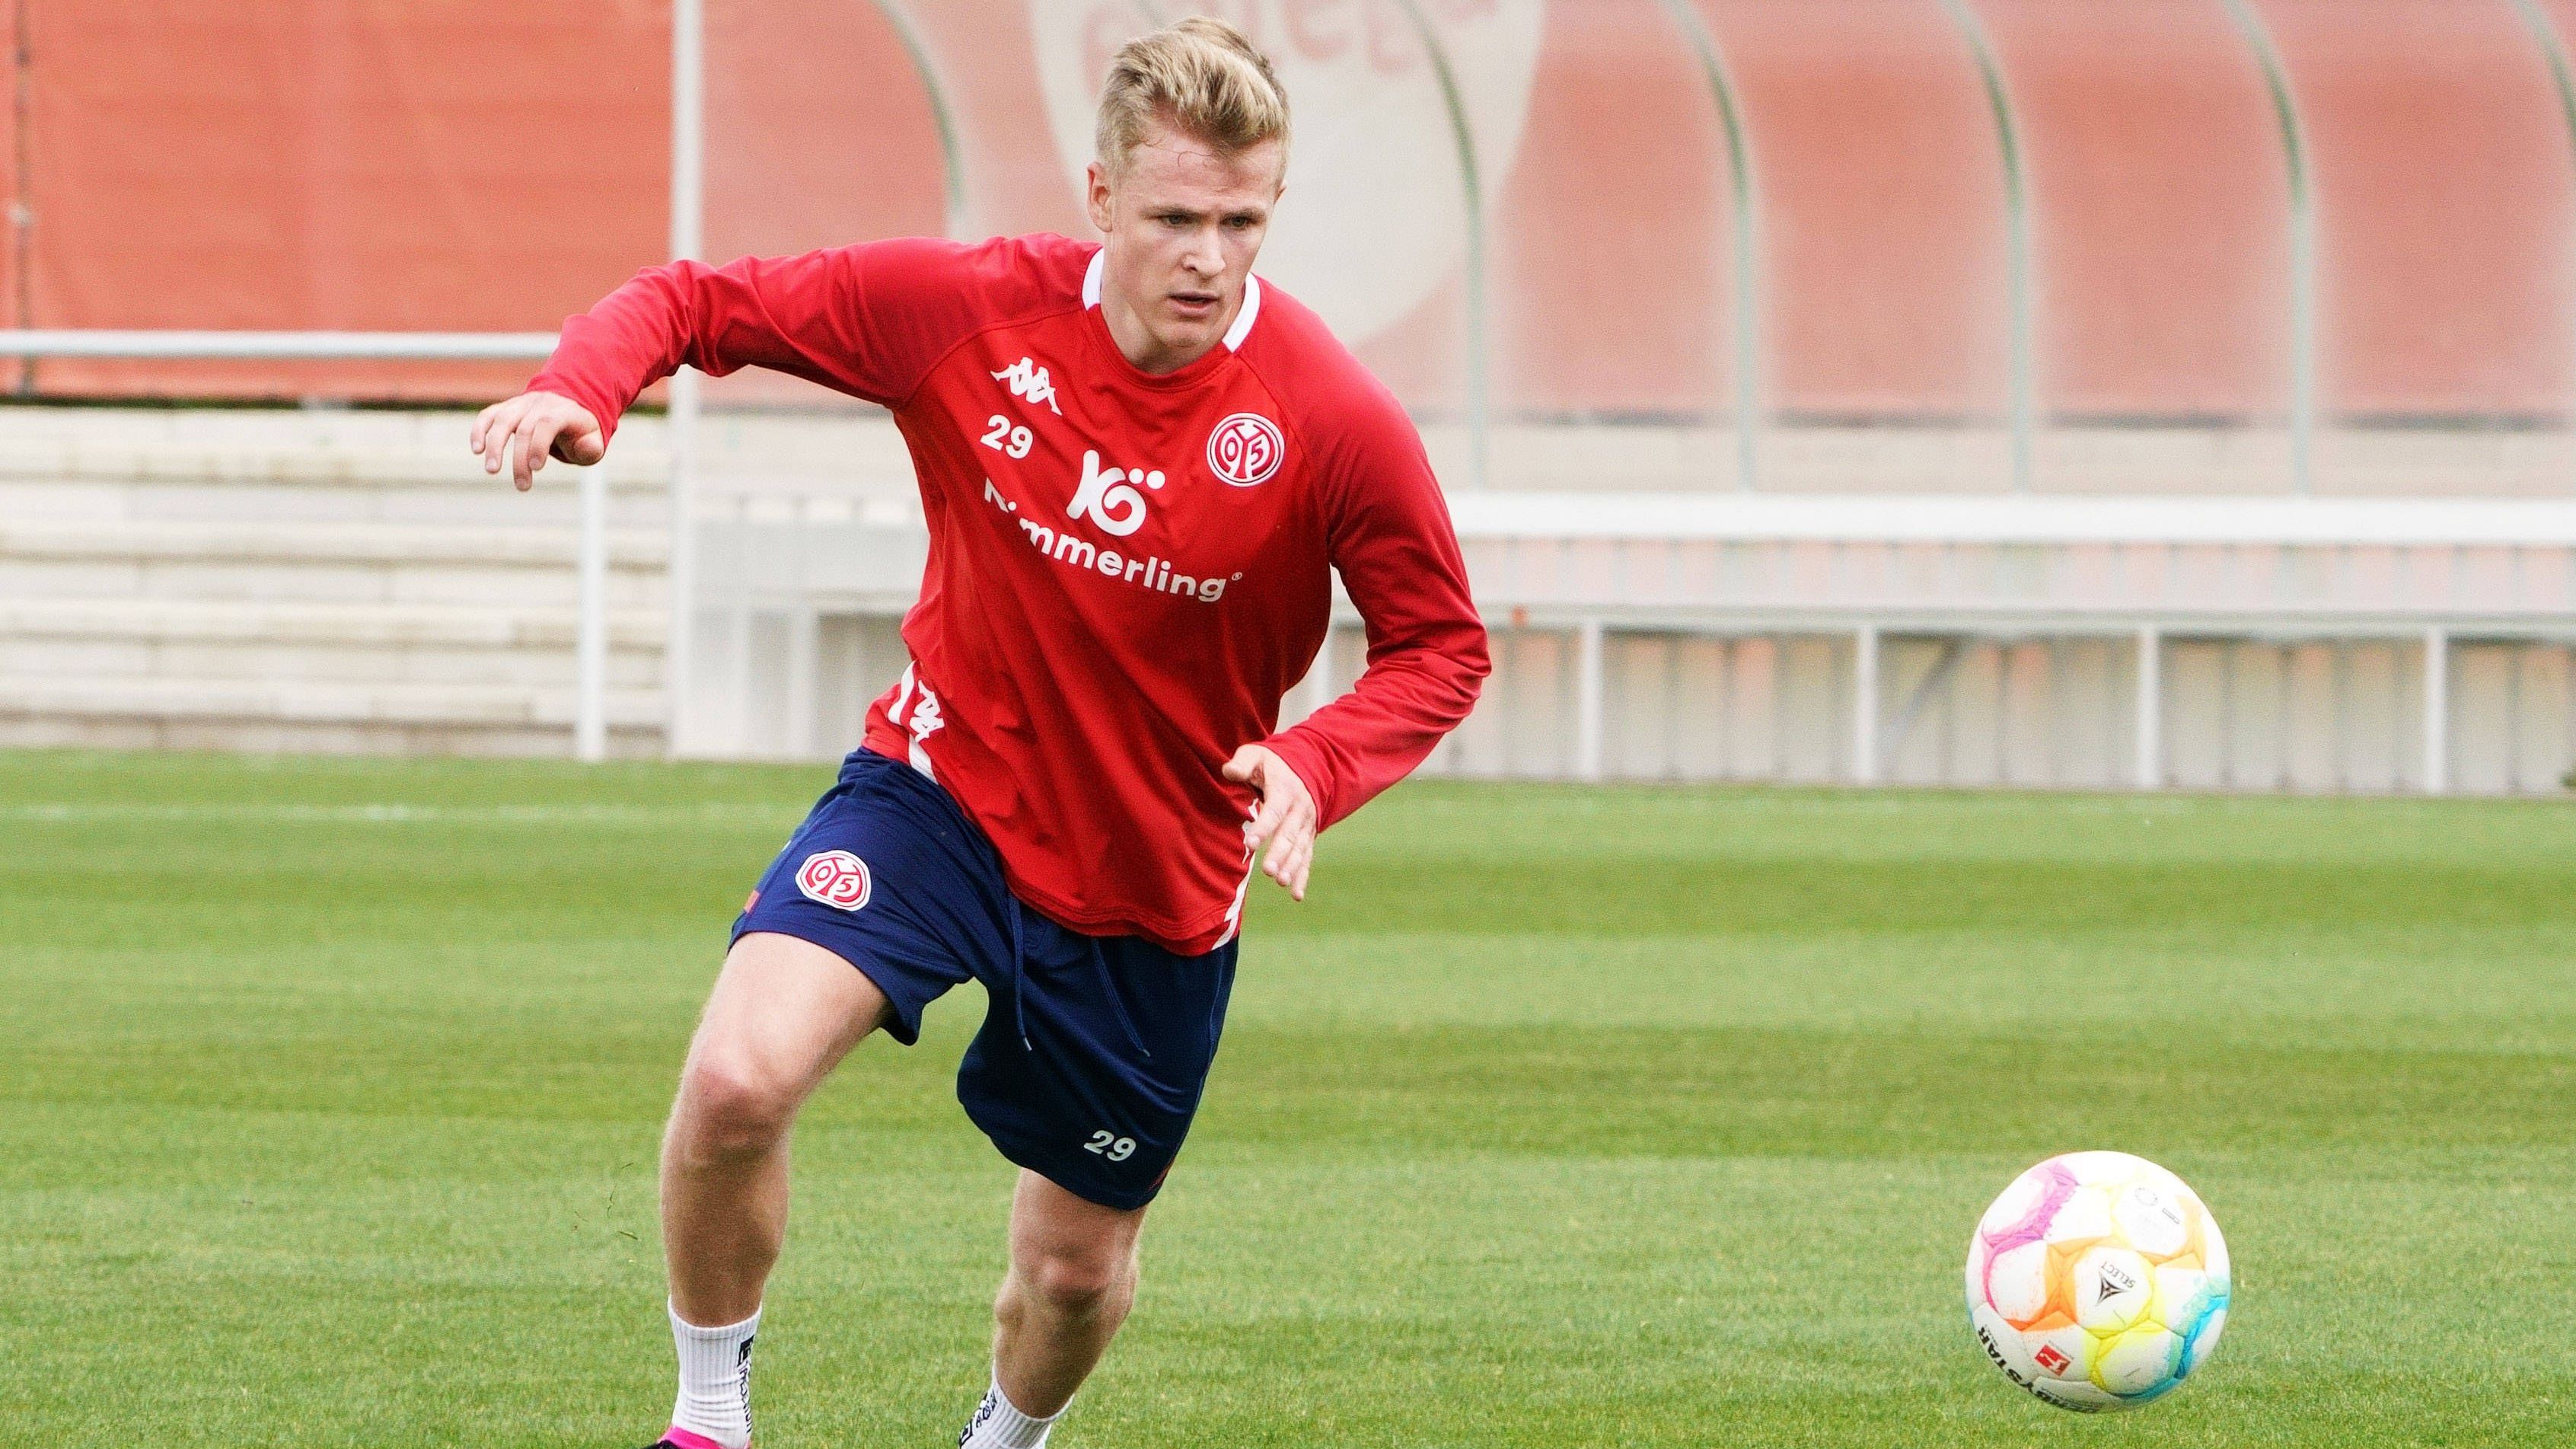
[783,1013]
[1057,1234]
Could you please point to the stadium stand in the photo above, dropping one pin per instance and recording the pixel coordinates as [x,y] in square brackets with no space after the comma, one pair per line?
[1877,260]
[301,580]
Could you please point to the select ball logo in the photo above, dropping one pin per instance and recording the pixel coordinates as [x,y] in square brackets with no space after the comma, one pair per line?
[1246,449]
[836,878]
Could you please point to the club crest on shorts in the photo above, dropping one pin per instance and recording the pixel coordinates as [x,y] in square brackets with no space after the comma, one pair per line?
[1246,449]
[836,878]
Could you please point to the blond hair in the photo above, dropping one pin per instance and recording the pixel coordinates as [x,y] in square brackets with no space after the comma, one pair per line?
[1202,77]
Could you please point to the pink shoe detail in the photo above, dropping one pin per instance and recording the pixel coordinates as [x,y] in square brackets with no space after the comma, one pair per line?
[681,1438]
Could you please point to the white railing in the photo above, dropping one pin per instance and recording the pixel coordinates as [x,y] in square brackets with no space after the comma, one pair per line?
[2148,574]
[2022,518]
[590,649]
[2145,567]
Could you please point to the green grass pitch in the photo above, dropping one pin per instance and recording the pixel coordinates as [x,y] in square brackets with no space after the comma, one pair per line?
[1615,1117]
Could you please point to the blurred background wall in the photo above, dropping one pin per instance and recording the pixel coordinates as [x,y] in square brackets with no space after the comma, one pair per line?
[1640,251]
[461,165]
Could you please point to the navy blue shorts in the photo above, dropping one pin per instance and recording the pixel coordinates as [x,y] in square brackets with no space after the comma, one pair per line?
[1094,1049]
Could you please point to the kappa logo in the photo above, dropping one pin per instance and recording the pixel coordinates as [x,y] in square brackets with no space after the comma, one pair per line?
[1246,449]
[836,878]
[923,719]
[1030,381]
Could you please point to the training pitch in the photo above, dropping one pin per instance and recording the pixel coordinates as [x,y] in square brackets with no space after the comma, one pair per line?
[329,1093]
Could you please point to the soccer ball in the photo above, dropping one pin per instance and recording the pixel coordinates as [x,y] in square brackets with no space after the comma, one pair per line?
[2097,1281]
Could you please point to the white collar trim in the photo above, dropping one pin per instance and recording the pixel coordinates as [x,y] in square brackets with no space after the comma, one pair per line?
[1234,335]
[1242,327]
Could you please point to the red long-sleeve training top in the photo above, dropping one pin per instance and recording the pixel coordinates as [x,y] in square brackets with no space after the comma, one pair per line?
[1127,571]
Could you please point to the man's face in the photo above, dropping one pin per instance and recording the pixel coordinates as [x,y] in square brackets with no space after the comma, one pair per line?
[1181,224]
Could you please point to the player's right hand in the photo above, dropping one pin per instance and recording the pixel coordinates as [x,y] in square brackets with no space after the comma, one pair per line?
[531,427]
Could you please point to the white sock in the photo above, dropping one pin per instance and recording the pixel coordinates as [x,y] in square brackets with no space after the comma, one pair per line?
[715,1380]
[997,1425]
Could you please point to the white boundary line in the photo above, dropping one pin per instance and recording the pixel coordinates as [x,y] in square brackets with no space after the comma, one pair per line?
[385,813]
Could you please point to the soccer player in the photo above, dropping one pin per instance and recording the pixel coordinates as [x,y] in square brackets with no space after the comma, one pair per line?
[1140,467]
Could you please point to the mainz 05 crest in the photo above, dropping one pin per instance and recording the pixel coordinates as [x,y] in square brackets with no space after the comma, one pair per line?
[1246,449]
[836,878]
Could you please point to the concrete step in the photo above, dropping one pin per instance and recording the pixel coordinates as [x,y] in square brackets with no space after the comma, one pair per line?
[633,471]
[127,659]
[382,626]
[318,448]
[111,464]
[317,702]
[349,563]
[123,639]
[323,543]
[554,503]
[264,581]
[269,581]
[68,642]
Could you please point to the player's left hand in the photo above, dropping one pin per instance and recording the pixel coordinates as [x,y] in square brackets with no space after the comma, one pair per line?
[1286,821]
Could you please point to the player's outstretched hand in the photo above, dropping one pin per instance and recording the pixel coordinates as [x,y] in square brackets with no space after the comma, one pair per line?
[1286,822]
[523,432]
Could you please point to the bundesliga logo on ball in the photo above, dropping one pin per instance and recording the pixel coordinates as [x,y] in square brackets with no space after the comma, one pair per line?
[2098,1281]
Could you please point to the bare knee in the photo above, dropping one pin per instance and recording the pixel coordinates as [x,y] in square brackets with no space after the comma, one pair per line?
[1079,1285]
[730,1107]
